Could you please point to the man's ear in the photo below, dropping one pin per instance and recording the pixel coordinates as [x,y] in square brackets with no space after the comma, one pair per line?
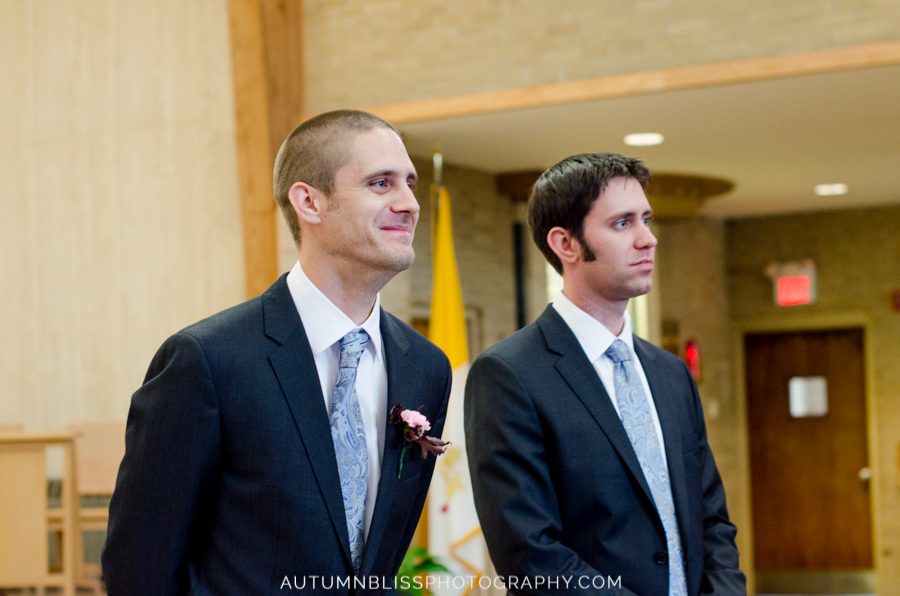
[308,202]
[564,245]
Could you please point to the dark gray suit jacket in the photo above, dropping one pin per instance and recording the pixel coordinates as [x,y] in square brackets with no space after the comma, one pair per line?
[558,488]
[230,484]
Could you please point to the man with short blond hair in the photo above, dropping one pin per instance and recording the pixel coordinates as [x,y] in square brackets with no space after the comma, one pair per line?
[314,151]
[260,453]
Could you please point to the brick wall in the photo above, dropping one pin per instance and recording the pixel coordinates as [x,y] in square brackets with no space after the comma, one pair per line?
[482,236]
[693,287]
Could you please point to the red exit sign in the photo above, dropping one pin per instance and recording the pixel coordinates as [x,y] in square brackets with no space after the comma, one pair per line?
[793,282]
[793,290]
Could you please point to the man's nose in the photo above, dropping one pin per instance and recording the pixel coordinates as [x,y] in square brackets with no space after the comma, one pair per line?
[406,202]
[646,239]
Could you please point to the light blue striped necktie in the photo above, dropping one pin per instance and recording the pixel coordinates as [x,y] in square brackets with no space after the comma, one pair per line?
[634,410]
[349,439]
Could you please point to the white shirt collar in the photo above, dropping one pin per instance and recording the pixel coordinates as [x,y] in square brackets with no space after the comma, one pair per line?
[325,324]
[594,337]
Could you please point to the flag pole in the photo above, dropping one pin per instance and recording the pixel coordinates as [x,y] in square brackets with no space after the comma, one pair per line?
[437,159]
[453,530]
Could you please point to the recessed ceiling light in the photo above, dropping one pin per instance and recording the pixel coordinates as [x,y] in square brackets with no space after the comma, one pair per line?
[643,139]
[826,190]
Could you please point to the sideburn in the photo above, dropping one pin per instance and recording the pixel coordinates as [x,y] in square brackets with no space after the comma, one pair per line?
[587,253]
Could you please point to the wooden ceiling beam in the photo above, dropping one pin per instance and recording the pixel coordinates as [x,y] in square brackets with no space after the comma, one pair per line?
[638,83]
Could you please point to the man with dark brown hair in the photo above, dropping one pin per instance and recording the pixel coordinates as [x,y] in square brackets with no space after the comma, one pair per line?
[587,445]
[260,453]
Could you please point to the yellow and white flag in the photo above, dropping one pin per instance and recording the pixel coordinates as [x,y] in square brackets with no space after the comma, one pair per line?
[454,534]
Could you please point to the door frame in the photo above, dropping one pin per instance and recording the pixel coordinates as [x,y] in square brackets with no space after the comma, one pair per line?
[790,322]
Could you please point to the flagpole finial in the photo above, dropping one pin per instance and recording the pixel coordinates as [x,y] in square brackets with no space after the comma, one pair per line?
[438,160]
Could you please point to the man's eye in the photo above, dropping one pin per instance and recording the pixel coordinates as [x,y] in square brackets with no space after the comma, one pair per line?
[380,183]
[620,224]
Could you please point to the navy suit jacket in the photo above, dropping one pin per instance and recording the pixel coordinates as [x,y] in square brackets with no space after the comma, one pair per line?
[558,488]
[230,484]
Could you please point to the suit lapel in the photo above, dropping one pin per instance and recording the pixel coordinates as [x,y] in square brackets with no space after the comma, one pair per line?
[667,411]
[580,375]
[295,369]
[403,379]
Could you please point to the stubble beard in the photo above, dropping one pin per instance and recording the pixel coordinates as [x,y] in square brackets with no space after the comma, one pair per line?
[630,287]
[641,287]
[401,260]
[392,259]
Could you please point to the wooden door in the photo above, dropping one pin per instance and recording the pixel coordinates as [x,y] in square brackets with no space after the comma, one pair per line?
[810,505]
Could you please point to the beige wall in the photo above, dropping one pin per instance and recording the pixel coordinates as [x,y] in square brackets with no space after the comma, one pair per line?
[119,196]
[384,51]
[857,253]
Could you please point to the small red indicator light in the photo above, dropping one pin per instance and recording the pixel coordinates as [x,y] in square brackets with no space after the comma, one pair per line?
[692,358]
[793,290]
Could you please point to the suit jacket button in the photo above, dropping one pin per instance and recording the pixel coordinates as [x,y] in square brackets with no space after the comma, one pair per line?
[661,558]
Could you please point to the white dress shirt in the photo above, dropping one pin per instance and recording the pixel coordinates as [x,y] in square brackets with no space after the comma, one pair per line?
[325,325]
[595,338]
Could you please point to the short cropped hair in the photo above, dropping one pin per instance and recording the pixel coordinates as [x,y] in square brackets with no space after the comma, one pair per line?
[565,193]
[313,153]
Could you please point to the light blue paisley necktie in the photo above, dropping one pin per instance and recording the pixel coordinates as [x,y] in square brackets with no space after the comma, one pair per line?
[634,410]
[349,439]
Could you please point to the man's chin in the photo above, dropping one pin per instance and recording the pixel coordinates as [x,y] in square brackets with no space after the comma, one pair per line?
[639,289]
[400,260]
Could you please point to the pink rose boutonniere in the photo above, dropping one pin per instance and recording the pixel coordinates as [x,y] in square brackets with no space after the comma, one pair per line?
[415,425]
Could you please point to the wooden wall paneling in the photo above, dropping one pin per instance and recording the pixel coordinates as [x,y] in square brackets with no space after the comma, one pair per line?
[253,149]
[282,26]
[267,44]
[283,40]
